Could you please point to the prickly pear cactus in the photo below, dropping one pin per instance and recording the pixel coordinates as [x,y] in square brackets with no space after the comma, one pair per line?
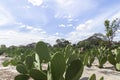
[21,68]
[68,51]
[58,66]
[102,56]
[102,78]
[72,58]
[43,52]
[102,61]
[93,77]
[117,67]
[38,75]
[29,62]
[74,72]
[21,77]
[111,59]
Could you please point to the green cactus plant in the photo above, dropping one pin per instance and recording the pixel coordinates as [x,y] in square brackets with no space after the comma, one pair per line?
[43,52]
[93,77]
[68,51]
[102,56]
[74,72]
[37,74]
[58,66]
[111,59]
[118,67]
[6,63]
[114,59]
[102,78]
[29,62]
[21,68]
[102,61]
[72,58]
[89,58]
[21,77]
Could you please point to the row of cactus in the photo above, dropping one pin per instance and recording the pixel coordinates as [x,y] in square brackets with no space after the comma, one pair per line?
[60,66]
[30,62]
[19,56]
[103,55]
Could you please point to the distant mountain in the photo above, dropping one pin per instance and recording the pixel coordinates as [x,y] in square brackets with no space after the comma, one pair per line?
[94,40]
[97,36]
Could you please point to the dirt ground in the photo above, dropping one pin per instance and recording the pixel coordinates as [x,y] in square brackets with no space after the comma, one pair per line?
[7,73]
[108,72]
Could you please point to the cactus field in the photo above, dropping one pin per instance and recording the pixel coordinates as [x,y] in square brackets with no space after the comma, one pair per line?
[67,63]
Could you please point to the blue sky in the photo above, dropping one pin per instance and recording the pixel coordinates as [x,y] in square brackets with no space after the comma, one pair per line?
[26,21]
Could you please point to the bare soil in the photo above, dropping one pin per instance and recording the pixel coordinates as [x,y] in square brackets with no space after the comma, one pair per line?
[7,73]
[108,72]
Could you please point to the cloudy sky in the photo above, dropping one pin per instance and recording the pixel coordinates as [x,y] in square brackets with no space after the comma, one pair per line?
[26,21]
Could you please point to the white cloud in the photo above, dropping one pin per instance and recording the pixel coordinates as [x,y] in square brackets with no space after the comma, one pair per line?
[67,9]
[52,39]
[65,25]
[26,7]
[62,25]
[77,36]
[17,38]
[94,25]
[85,26]
[72,8]
[57,33]
[5,17]
[89,22]
[82,31]
[36,2]
[11,37]
[32,29]
[70,25]
[81,27]
[116,15]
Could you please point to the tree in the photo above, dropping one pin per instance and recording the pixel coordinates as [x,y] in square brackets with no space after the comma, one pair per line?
[61,43]
[111,29]
[2,49]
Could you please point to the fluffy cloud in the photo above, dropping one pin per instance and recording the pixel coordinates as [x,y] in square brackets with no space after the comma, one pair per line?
[52,13]
[72,8]
[11,37]
[26,7]
[32,29]
[94,25]
[17,38]
[116,15]
[82,31]
[85,26]
[77,36]
[36,2]
[62,25]
[65,25]
[5,17]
